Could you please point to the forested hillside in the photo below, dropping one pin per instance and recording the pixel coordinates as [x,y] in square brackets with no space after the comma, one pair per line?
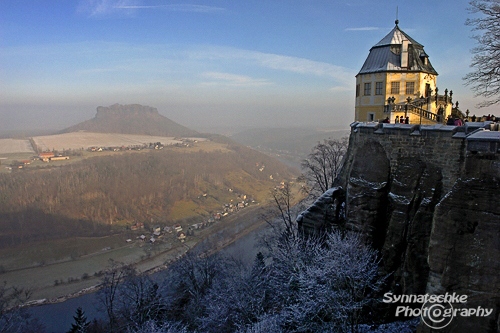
[96,194]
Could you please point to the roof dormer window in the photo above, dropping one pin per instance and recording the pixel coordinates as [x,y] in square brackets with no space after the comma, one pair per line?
[424,58]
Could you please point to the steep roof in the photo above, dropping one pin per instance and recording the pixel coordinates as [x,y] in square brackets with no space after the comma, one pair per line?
[385,56]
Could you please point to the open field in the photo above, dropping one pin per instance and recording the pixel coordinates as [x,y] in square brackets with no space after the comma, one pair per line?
[10,146]
[204,145]
[85,140]
[12,150]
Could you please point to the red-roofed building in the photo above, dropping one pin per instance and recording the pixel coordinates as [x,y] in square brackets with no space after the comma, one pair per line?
[46,156]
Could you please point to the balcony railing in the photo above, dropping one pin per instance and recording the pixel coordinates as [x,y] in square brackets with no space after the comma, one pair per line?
[414,108]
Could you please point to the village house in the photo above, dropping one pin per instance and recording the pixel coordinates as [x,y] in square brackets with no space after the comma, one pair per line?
[137,226]
[59,158]
[181,236]
[46,156]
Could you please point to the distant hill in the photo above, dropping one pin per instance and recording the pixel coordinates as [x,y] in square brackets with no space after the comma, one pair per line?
[131,119]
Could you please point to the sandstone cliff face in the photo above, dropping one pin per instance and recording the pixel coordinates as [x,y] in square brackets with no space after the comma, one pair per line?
[126,110]
[433,211]
[464,248]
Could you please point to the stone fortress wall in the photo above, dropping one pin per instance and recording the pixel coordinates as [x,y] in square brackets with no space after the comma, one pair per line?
[447,147]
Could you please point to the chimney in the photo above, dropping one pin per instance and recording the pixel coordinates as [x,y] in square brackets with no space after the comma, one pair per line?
[404,54]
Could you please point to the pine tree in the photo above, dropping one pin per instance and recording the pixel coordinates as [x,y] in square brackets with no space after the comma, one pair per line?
[81,324]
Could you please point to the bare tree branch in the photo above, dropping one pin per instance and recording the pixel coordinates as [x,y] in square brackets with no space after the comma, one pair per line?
[323,165]
[485,79]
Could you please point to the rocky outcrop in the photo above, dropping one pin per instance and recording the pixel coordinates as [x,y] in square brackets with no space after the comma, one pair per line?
[326,212]
[432,208]
[125,110]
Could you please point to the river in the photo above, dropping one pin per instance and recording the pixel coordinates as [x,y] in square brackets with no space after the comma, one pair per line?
[58,317]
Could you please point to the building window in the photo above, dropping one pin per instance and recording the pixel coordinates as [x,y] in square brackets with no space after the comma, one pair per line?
[368,89]
[395,88]
[410,88]
[357,90]
[378,88]
[371,116]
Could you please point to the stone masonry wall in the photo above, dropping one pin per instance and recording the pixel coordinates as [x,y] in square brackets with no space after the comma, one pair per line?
[435,145]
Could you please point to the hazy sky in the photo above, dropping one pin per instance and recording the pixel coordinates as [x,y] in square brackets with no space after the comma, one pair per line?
[212,63]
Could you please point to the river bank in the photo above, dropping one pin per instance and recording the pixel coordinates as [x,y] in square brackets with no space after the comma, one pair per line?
[57,316]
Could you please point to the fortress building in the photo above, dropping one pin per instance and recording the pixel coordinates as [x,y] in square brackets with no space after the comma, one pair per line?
[398,80]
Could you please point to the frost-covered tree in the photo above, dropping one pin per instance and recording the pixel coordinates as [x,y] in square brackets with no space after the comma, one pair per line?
[265,324]
[154,327]
[485,79]
[189,281]
[322,284]
[237,299]
[301,285]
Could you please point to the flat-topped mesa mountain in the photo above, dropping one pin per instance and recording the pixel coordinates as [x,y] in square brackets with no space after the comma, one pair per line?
[131,119]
